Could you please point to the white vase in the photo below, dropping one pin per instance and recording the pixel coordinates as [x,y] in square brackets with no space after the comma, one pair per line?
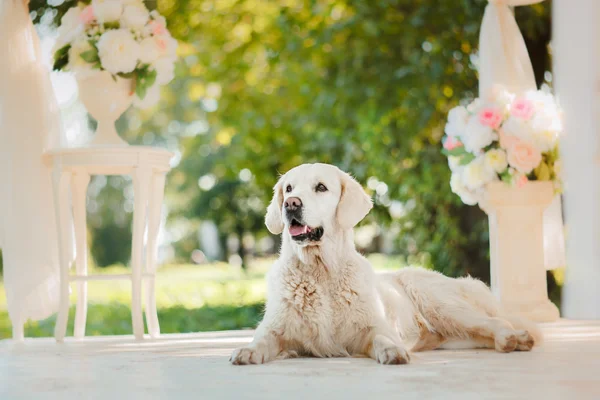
[105,99]
[518,274]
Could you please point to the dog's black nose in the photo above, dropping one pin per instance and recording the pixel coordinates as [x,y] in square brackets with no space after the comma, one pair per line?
[292,204]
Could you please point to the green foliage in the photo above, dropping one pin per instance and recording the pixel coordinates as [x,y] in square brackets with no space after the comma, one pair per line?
[61,57]
[91,56]
[266,85]
[144,79]
[364,85]
[115,319]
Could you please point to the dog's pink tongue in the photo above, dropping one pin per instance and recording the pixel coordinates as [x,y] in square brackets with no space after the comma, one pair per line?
[299,230]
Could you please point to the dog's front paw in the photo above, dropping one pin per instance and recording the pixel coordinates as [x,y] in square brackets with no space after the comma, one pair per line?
[506,341]
[247,355]
[392,356]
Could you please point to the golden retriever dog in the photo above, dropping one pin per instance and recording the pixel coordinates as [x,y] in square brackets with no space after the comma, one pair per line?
[325,300]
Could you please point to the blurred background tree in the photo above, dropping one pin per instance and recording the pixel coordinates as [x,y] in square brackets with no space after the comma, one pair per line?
[264,85]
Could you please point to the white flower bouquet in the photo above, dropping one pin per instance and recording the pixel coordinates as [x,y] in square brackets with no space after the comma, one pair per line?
[121,37]
[509,138]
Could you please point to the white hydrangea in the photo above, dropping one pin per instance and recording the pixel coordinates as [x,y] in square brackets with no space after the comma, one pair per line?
[77,64]
[454,163]
[107,10]
[457,121]
[477,136]
[135,16]
[118,51]
[477,174]
[457,186]
[501,97]
[495,160]
[165,71]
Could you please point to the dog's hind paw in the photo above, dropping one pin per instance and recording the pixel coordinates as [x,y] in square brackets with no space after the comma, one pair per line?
[392,356]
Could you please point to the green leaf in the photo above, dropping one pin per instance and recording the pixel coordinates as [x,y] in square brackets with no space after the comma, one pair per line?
[127,75]
[151,77]
[506,177]
[457,151]
[61,58]
[466,159]
[140,89]
[90,56]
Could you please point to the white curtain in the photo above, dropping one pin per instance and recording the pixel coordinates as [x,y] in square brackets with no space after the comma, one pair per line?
[29,124]
[503,60]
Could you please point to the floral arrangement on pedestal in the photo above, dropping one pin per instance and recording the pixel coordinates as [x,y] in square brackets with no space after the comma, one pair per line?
[121,37]
[505,138]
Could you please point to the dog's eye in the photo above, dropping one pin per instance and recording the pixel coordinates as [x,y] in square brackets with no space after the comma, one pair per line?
[288,189]
[321,188]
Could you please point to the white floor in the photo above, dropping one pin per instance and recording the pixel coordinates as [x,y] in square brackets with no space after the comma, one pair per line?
[196,366]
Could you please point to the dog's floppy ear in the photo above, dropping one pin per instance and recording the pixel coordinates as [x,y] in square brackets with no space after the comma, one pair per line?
[273,219]
[354,203]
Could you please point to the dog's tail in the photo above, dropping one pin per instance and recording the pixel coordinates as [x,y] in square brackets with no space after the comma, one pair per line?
[520,323]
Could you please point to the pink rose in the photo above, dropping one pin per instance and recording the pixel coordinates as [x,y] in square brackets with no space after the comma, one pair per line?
[522,108]
[157,28]
[523,156]
[490,116]
[522,181]
[87,15]
[451,143]
[506,140]
[161,44]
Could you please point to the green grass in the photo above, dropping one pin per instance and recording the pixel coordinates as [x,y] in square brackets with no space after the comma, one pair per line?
[190,298]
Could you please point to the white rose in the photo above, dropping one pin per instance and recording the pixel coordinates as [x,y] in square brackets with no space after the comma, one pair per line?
[545,130]
[149,51]
[495,160]
[475,105]
[165,71]
[107,10]
[477,136]
[151,99]
[157,17]
[135,16]
[501,97]
[457,121]
[118,51]
[477,174]
[70,27]
[457,186]
[155,47]
[77,64]
[540,131]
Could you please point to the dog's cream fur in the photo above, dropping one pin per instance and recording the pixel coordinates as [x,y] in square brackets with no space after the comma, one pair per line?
[325,300]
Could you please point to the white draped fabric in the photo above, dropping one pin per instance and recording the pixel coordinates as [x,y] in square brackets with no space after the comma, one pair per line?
[29,123]
[503,60]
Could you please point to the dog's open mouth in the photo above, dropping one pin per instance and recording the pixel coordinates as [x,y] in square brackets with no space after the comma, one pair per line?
[300,232]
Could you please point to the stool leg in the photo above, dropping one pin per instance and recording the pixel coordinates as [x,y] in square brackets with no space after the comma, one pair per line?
[154,214]
[141,190]
[18,330]
[79,184]
[61,180]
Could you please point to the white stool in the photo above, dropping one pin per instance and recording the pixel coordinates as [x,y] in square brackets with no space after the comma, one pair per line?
[72,169]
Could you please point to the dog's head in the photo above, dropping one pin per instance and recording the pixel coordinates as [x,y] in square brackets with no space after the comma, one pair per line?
[313,200]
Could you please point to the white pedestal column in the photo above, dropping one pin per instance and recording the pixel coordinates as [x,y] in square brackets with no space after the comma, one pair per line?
[518,274]
[576,56]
